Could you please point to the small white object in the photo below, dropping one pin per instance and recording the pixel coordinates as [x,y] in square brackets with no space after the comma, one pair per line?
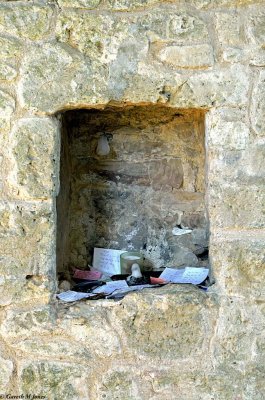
[103,146]
[136,271]
[178,231]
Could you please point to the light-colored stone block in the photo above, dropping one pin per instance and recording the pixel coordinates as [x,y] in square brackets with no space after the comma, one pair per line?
[87,4]
[239,267]
[54,380]
[36,147]
[7,105]
[256,28]
[27,21]
[226,133]
[229,28]
[258,105]
[222,87]
[190,57]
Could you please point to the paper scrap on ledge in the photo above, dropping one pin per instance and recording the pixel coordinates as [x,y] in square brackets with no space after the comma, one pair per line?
[89,275]
[110,287]
[70,295]
[123,292]
[107,261]
[185,275]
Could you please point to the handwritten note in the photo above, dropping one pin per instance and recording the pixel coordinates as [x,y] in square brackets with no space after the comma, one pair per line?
[70,296]
[110,287]
[185,275]
[107,261]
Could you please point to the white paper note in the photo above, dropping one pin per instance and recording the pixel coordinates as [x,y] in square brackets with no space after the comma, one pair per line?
[123,292]
[110,287]
[70,295]
[107,261]
[185,275]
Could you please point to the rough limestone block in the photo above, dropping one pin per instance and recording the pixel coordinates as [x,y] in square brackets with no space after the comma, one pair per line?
[6,368]
[256,28]
[36,147]
[185,28]
[222,87]
[130,5]
[7,105]
[88,4]
[10,47]
[230,30]
[54,380]
[238,266]
[225,132]
[200,56]
[23,323]
[90,327]
[234,341]
[233,205]
[32,224]
[258,105]
[7,72]
[55,76]
[98,37]
[181,312]
[211,4]
[30,22]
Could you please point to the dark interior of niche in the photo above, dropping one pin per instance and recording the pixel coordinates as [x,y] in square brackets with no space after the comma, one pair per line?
[132,178]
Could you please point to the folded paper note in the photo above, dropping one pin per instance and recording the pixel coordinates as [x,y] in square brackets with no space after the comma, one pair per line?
[70,295]
[107,261]
[185,275]
[110,287]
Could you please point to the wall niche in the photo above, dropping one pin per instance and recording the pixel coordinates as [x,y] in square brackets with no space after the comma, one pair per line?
[132,178]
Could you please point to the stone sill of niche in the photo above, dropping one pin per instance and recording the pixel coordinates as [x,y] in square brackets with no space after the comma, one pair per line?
[170,294]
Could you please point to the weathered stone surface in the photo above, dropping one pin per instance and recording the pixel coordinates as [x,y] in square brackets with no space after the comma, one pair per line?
[236,206]
[61,72]
[256,28]
[185,28]
[18,321]
[230,29]
[54,380]
[89,4]
[258,105]
[211,4]
[7,105]
[28,21]
[35,150]
[220,87]
[7,72]
[225,132]
[10,47]
[200,56]
[179,316]
[83,327]
[7,369]
[239,266]
[29,223]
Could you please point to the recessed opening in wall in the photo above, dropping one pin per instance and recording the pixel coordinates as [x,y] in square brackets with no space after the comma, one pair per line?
[132,178]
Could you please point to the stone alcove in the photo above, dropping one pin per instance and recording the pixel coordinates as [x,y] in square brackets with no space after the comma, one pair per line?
[151,182]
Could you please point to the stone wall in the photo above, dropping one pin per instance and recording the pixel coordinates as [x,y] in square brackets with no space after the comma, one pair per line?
[175,342]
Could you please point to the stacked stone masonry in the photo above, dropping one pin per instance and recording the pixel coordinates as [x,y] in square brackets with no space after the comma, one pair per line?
[176,342]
